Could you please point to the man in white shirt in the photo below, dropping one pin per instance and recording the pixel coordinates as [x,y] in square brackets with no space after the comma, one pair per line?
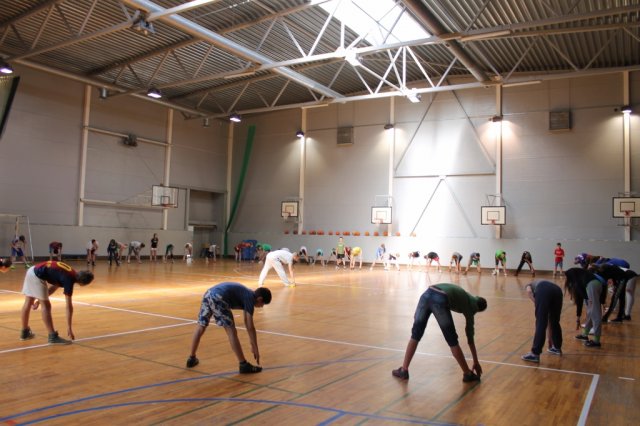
[276,259]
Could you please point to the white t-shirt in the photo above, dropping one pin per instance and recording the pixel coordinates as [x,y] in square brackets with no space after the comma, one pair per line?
[282,256]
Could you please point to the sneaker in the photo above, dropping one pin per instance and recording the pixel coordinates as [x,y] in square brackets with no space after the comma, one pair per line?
[582,337]
[400,373]
[592,344]
[54,339]
[27,334]
[470,377]
[192,362]
[627,318]
[616,320]
[494,272]
[531,357]
[554,351]
[247,368]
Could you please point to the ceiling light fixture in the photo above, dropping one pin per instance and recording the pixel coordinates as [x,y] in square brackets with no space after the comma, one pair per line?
[143,26]
[5,68]
[414,98]
[104,93]
[300,134]
[235,118]
[626,109]
[388,126]
[496,119]
[206,122]
[154,93]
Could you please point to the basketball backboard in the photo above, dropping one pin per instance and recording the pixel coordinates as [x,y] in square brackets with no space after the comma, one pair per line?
[289,209]
[626,207]
[164,196]
[381,215]
[493,215]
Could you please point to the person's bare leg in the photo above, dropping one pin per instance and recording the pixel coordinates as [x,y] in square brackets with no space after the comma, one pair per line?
[456,351]
[409,353]
[46,316]
[26,311]
[232,334]
[195,341]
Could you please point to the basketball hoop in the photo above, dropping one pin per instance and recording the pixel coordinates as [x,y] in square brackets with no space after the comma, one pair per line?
[493,221]
[627,213]
[377,221]
[285,216]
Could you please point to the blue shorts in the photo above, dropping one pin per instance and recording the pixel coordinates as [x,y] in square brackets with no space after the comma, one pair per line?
[214,305]
[436,303]
[17,252]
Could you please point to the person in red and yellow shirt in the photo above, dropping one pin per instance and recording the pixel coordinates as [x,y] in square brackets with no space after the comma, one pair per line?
[40,282]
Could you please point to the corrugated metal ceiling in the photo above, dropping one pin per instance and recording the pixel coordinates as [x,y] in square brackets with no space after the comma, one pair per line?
[211,58]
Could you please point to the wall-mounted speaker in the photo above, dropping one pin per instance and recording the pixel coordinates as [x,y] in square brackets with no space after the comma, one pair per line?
[560,121]
[345,136]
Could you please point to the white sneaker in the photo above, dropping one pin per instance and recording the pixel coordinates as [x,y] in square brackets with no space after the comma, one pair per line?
[494,272]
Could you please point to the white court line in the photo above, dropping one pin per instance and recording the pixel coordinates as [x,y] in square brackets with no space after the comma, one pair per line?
[77,302]
[586,407]
[581,422]
[124,333]
[588,400]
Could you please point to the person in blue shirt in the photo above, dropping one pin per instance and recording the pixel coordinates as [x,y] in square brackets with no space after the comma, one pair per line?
[218,302]
[380,254]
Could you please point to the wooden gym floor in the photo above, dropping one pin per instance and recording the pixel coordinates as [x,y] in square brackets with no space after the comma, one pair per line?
[327,347]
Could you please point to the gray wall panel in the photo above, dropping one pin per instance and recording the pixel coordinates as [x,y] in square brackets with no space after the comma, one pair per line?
[40,157]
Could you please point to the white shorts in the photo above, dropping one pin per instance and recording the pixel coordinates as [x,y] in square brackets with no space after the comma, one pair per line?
[34,286]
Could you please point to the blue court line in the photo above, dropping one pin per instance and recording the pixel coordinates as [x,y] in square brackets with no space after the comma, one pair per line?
[339,413]
[173,382]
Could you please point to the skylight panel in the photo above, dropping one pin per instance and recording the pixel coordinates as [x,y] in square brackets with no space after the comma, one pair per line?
[382,21]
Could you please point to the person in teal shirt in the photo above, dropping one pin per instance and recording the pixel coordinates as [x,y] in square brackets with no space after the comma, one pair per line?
[440,300]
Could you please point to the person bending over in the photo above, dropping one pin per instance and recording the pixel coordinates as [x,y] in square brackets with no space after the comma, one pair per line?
[218,302]
[440,300]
